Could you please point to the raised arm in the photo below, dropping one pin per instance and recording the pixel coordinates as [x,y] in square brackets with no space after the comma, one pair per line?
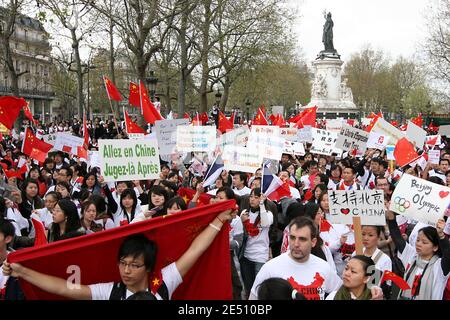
[394,230]
[445,247]
[202,242]
[48,283]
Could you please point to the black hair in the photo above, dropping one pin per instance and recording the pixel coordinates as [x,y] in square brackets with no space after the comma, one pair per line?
[431,234]
[86,205]
[179,201]
[137,245]
[54,194]
[444,159]
[324,179]
[242,177]
[6,227]
[378,160]
[285,166]
[256,192]
[300,222]
[172,174]
[100,204]
[170,185]
[69,171]
[229,193]
[164,166]
[379,229]
[367,263]
[71,213]
[436,180]
[334,167]
[277,289]
[132,194]
[92,173]
[351,168]
[380,177]
[129,184]
[312,163]
[160,191]
[66,185]
[295,209]
[24,192]
[321,187]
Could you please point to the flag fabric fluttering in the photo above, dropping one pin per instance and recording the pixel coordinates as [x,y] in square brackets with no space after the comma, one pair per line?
[28,114]
[134,98]
[308,118]
[149,112]
[399,281]
[33,147]
[200,283]
[10,109]
[418,121]
[405,152]
[188,194]
[224,124]
[130,125]
[85,134]
[39,239]
[111,90]
[213,172]
[272,186]
[260,119]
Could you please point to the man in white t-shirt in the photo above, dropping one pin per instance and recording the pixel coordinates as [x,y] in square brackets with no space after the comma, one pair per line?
[239,184]
[136,260]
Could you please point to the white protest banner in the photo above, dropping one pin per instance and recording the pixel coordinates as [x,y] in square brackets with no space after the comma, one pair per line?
[290,134]
[294,148]
[416,135]
[50,138]
[377,141]
[390,152]
[366,121]
[387,129]
[196,138]
[434,156]
[324,142]
[267,141]
[93,160]
[305,134]
[123,160]
[67,142]
[136,136]
[350,138]
[444,130]
[367,204]
[335,125]
[237,137]
[241,159]
[166,133]
[420,200]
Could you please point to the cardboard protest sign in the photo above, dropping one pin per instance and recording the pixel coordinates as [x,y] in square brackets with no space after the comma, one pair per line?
[67,142]
[289,134]
[166,133]
[377,141]
[267,141]
[420,200]
[335,125]
[196,138]
[324,142]
[416,135]
[350,139]
[444,130]
[241,159]
[305,134]
[434,156]
[236,137]
[366,204]
[385,128]
[294,148]
[122,160]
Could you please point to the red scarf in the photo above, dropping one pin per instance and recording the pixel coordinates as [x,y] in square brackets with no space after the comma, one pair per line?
[252,228]
[343,184]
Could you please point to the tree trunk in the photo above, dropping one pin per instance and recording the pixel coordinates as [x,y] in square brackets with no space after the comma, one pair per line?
[205,66]
[226,94]
[111,66]
[79,72]
[183,63]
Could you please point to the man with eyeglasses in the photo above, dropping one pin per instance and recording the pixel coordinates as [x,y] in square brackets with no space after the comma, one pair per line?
[62,175]
[136,261]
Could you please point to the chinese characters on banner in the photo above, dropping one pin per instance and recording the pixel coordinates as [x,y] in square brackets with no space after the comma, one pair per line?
[367,204]
[324,142]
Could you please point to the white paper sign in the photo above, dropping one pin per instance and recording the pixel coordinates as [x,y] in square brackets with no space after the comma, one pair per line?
[377,141]
[387,129]
[123,160]
[196,138]
[294,148]
[93,160]
[444,130]
[290,134]
[236,137]
[366,204]
[166,133]
[416,135]
[324,142]
[305,134]
[366,121]
[267,141]
[136,136]
[50,138]
[351,138]
[66,141]
[335,125]
[390,152]
[434,156]
[241,159]
[420,200]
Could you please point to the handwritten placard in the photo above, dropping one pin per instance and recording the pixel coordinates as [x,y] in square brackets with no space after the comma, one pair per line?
[166,133]
[416,135]
[304,135]
[241,159]
[196,138]
[236,137]
[290,134]
[335,125]
[366,204]
[267,141]
[350,139]
[294,148]
[324,142]
[420,200]
[434,156]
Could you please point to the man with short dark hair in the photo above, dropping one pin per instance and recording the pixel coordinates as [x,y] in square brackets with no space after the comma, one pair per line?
[239,184]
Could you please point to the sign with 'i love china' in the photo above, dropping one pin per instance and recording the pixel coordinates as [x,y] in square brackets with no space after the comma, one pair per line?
[420,200]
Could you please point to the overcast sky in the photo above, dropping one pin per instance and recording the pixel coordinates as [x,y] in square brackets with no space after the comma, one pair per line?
[395,26]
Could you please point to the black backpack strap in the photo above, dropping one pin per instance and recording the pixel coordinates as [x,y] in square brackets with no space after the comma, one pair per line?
[118,291]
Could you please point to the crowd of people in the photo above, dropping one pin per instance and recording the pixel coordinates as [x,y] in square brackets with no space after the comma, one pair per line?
[279,249]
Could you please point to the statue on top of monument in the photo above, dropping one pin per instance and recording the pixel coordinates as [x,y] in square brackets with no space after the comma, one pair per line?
[327,37]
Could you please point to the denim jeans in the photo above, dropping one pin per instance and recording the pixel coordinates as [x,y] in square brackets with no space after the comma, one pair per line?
[249,270]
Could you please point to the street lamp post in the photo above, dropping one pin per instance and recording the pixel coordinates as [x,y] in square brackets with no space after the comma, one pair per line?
[87,68]
[248,104]
[218,98]
[152,81]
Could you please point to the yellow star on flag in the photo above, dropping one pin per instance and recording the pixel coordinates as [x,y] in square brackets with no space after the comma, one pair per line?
[155,281]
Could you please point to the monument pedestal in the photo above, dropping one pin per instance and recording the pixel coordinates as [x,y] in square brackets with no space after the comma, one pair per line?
[329,92]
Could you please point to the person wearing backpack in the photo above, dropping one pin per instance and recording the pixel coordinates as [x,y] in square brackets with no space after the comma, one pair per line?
[136,261]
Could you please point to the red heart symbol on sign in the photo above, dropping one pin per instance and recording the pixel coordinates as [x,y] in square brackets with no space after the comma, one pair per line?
[345,211]
[443,194]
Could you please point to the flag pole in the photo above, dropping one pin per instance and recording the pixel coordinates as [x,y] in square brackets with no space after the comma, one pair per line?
[110,104]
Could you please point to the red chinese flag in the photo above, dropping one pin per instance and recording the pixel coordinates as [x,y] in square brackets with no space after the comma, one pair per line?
[394,123]
[272,118]
[39,239]
[260,119]
[187,194]
[204,118]
[38,155]
[196,121]
[67,149]
[9,110]
[96,255]
[418,121]
[325,226]
[111,90]
[279,121]
[85,134]
[296,118]
[405,152]
[308,118]
[130,125]
[372,123]
[232,118]
[399,281]
[82,152]
[351,122]
[187,116]
[224,123]
[433,127]
[134,98]
[28,114]
[149,112]
[32,142]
